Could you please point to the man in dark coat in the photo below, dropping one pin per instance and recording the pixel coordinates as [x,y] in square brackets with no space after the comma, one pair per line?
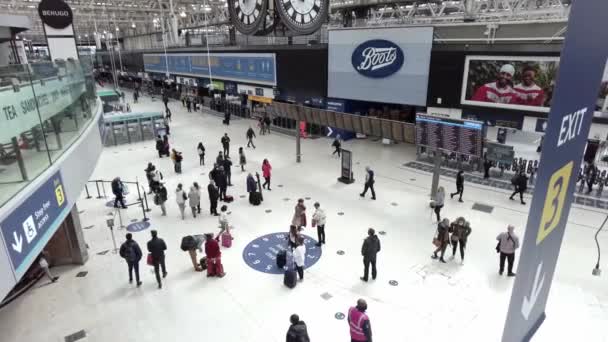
[251,186]
[226,144]
[297,330]
[521,185]
[213,197]
[131,252]
[250,135]
[118,189]
[371,247]
[221,182]
[157,248]
[459,185]
[228,170]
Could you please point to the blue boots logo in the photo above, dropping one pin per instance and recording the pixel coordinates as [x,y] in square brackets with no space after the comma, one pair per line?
[377,58]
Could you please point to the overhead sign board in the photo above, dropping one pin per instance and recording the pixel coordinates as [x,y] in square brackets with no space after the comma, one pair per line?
[583,59]
[500,153]
[55,13]
[30,226]
[451,135]
[377,58]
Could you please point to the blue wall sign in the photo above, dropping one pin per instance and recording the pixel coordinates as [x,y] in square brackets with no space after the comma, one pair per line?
[138,226]
[377,58]
[257,68]
[30,226]
[582,64]
[261,253]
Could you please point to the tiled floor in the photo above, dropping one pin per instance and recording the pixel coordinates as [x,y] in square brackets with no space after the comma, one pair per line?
[430,302]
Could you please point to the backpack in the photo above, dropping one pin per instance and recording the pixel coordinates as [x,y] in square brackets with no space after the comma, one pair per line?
[128,253]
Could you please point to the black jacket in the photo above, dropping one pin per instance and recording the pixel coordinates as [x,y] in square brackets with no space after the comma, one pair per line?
[227,165]
[220,179]
[214,194]
[225,141]
[162,192]
[132,255]
[157,247]
[371,247]
[522,182]
[459,180]
[297,333]
[250,133]
[117,187]
[159,145]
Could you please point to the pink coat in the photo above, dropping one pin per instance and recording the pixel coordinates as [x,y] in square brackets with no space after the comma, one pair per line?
[266,170]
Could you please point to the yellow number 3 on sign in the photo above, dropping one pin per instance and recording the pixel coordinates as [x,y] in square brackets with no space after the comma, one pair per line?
[554,201]
[59,194]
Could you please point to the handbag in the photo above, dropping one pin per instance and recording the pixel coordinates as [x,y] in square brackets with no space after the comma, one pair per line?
[149,259]
[436,242]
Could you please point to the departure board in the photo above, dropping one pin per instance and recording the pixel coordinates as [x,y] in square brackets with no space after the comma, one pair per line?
[460,136]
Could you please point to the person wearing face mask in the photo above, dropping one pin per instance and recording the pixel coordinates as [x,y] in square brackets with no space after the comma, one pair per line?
[500,90]
[358,321]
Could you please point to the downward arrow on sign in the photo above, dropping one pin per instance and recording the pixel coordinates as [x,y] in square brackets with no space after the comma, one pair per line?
[18,242]
[528,303]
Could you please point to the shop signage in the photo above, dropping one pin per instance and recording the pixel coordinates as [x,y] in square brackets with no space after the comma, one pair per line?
[30,226]
[580,73]
[55,13]
[377,58]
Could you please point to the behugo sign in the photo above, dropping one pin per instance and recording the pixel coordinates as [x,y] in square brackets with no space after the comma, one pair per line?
[377,58]
[55,13]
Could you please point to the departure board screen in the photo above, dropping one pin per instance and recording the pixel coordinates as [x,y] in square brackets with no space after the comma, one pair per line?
[460,136]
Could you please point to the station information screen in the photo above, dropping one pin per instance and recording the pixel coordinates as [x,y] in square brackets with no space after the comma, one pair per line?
[459,136]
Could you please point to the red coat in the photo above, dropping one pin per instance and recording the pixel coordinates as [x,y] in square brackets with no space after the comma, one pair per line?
[212,249]
[266,170]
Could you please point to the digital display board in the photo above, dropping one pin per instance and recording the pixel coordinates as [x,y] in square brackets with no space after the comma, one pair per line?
[460,136]
[500,153]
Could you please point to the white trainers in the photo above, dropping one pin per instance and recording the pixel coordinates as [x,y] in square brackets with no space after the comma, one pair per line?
[462,263]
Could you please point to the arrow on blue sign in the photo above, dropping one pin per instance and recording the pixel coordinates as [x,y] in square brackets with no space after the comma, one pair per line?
[18,244]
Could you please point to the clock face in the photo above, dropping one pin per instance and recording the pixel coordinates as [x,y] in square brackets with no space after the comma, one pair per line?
[246,15]
[303,16]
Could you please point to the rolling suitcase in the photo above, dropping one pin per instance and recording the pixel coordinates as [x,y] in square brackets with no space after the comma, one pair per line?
[228,198]
[226,240]
[256,199]
[291,278]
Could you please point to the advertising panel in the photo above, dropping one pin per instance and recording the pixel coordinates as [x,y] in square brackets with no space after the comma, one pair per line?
[389,65]
[257,68]
[29,227]
[520,83]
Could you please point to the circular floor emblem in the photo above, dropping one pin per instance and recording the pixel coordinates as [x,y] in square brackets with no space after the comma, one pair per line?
[268,211]
[382,232]
[261,253]
[340,214]
[393,282]
[339,315]
[340,252]
[138,226]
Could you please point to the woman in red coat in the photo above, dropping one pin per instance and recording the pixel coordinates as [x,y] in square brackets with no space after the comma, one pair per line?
[266,168]
[214,257]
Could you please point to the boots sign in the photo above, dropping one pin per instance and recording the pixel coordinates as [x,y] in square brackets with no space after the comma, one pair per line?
[377,58]
[55,13]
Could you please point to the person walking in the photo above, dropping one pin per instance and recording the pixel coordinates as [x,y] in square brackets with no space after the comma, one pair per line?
[318,220]
[189,104]
[592,172]
[460,233]
[299,256]
[337,146]
[292,237]
[369,183]
[157,248]
[177,159]
[226,144]
[251,186]
[118,189]
[214,257]
[201,153]
[161,197]
[520,183]
[168,115]
[194,199]
[250,135]
[299,215]
[266,170]
[149,170]
[166,147]
[459,185]
[360,327]
[214,195]
[242,159]
[180,198]
[219,160]
[223,222]
[442,239]
[439,202]
[44,265]
[369,250]
[297,331]
[160,146]
[166,101]
[487,165]
[267,123]
[508,243]
[228,170]
[132,254]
